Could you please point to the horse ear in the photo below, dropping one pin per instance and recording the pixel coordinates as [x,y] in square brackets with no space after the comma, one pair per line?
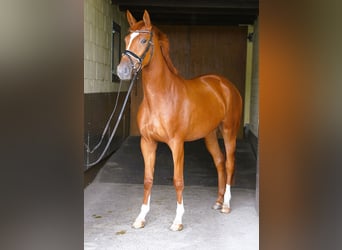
[147,20]
[131,20]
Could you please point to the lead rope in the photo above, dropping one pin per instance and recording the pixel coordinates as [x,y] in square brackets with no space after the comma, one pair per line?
[116,124]
[107,125]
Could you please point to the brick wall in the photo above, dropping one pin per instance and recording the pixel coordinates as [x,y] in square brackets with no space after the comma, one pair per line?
[98,18]
[100,92]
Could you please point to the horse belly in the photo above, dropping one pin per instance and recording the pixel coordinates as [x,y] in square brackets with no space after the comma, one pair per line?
[204,120]
[213,99]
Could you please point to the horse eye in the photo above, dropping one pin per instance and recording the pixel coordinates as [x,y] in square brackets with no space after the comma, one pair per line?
[143,41]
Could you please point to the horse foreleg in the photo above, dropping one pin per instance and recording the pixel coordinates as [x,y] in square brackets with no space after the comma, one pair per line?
[148,149]
[177,149]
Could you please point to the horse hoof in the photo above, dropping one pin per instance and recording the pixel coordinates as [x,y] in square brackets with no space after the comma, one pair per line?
[176,227]
[225,209]
[138,224]
[217,206]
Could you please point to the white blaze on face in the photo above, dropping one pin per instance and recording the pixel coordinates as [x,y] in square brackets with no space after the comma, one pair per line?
[132,36]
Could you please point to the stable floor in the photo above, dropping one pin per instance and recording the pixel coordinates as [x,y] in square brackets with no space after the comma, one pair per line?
[113,200]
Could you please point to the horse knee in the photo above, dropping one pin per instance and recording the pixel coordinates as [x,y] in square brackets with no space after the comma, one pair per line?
[178,184]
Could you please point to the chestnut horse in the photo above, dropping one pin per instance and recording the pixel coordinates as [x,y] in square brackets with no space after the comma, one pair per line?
[175,110]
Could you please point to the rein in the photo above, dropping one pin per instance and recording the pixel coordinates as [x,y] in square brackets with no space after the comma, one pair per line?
[131,55]
[116,124]
[140,59]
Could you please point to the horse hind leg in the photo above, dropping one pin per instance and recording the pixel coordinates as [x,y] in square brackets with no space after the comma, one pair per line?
[213,147]
[229,136]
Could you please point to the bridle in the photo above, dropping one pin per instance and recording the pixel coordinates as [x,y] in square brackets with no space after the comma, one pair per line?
[131,55]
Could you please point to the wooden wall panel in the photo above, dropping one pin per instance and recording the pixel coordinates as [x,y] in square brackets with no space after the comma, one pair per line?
[180,50]
[97,110]
[197,50]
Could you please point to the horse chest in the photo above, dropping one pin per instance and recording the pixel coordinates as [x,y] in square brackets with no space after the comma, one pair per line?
[157,123]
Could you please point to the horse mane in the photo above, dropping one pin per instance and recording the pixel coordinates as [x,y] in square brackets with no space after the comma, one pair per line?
[163,42]
[165,49]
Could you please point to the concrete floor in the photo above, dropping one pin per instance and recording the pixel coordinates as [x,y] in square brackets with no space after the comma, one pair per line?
[113,200]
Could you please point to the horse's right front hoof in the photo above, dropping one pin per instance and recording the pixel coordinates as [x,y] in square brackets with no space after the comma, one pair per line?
[176,227]
[138,224]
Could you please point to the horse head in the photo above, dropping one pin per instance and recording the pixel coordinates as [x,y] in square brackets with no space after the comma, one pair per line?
[139,46]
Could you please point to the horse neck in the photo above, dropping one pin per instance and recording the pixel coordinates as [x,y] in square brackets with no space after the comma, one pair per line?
[156,76]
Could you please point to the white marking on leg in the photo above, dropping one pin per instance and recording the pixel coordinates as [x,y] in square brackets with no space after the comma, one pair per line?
[144,209]
[132,36]
[140,220]
[179,213]
[226,202]
[177,223]
[227,196]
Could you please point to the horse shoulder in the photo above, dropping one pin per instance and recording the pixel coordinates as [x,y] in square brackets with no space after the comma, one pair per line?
[149,123]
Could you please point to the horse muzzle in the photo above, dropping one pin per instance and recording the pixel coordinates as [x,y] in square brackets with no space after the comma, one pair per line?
[124,71]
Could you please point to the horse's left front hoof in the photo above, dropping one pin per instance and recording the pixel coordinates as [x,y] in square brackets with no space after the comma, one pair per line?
[176,227]
[225,209]
[217,206]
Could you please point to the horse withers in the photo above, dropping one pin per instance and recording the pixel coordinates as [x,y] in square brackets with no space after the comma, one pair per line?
[175,110]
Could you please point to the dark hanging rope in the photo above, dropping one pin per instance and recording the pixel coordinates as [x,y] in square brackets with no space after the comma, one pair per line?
[116,124]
